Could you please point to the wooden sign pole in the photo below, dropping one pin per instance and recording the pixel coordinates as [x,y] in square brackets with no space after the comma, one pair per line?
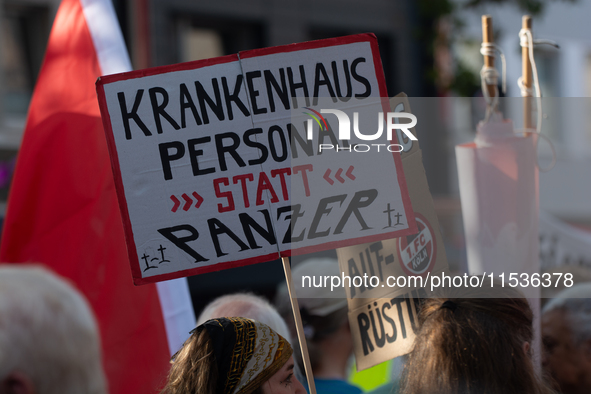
[299,326]
[526,77]
[487,37]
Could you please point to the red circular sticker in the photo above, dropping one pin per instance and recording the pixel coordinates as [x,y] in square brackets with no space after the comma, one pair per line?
[417,252]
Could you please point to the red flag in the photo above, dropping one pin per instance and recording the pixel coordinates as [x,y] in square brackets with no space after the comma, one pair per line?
[63,210]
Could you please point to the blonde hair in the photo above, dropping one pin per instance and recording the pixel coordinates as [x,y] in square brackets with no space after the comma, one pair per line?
[194,369]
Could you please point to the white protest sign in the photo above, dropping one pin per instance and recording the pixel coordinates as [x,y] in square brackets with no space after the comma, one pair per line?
[388,277]
[384,328]
[213,170]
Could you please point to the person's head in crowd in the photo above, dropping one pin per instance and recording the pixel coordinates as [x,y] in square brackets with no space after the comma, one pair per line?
[325,321]
[468,343]
[252,307]
[566,338]
[246,305]
[579,274]
[49,341]
[233,355]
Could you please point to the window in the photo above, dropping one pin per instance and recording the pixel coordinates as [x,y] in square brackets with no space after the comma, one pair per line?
[199,37]
[24,31]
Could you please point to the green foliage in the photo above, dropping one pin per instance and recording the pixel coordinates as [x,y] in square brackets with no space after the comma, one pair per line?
[533,7]
[466,83]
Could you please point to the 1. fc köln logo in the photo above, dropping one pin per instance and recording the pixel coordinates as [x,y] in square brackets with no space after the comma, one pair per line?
[417,252]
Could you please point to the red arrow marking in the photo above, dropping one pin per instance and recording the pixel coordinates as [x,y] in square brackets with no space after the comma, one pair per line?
[198,198]
[338,176]
[326,176]
[349,173]
[176,203]
[188,202]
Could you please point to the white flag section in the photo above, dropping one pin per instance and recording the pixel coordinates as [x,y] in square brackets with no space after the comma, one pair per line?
[174,296]
[499,192]
[213,172]
[177,311]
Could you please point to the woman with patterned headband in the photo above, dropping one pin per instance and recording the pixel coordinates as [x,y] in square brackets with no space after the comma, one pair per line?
[233,355]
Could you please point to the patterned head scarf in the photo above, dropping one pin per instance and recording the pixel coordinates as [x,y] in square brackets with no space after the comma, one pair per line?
[247,353]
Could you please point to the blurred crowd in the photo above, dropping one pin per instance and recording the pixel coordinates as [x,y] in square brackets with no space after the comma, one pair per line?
[467,342]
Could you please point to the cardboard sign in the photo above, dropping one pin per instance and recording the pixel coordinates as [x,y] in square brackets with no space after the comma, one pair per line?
[212,172]
[408,258]
[384,328]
